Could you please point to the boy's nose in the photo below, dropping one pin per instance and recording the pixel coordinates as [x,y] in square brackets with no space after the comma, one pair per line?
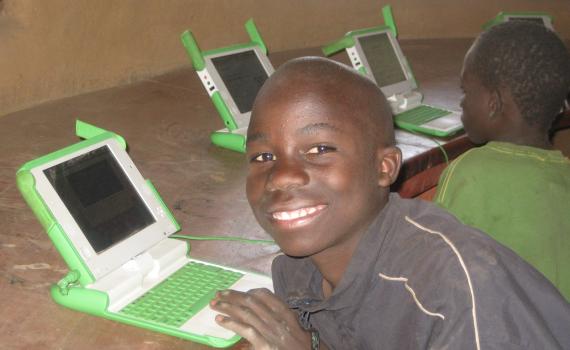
[287,175]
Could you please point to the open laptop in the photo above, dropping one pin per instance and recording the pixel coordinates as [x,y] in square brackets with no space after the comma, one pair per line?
[112,229]
[538,17]
[376,53]
[232,76]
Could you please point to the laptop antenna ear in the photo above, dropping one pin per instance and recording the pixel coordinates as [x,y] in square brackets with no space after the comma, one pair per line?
[193,50]
[254,35]
[86,131]
[389,19]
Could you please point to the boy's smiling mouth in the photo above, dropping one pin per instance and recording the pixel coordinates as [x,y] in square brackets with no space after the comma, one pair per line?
[299,216]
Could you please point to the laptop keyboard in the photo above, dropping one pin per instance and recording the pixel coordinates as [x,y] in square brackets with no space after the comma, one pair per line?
[421,115]
[175,300]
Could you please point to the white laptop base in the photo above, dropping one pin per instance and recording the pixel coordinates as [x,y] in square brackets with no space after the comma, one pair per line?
[400,103]
[147,270]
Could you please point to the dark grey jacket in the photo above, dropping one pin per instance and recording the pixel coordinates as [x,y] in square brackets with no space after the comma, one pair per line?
[419,279]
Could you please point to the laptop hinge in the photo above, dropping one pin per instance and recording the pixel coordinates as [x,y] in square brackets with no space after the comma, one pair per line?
[403,102]
[142,273]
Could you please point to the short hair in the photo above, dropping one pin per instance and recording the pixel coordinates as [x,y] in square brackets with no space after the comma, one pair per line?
[531,61]
[324,75]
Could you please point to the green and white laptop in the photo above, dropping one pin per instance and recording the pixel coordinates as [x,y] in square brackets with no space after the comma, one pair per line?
[112,229]
[376,53]
[538,17]
[232,76]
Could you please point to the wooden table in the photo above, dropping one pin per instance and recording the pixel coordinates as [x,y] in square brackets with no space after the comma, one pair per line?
[166,122]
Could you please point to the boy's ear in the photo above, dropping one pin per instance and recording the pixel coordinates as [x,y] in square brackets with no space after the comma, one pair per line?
[389,162]
[495,104]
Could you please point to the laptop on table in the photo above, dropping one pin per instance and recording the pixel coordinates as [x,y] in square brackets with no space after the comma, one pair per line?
[112,229]
[376,53]
[232,76]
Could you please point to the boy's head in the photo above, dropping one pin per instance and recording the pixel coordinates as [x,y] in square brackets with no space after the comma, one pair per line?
[515,72]
[321,154]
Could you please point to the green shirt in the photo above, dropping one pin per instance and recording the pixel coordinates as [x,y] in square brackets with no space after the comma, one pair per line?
[521,197]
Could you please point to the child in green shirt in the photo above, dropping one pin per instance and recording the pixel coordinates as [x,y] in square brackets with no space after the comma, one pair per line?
[515,79]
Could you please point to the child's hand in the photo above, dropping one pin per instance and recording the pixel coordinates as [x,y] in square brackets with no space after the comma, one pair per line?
[261,318]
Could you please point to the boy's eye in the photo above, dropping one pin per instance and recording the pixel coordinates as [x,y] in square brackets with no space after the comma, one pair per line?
[263,157]
[320,149]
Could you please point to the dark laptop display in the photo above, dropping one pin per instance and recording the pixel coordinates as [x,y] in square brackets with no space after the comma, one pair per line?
[243,75]
[100,197]
[384,63]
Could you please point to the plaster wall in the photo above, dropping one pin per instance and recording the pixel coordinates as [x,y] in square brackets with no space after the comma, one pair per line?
[59,48]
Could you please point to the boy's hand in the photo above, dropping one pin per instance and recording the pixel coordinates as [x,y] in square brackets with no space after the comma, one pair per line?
[261,318]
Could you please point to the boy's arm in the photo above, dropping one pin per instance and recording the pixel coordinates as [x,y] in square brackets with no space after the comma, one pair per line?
[261,318]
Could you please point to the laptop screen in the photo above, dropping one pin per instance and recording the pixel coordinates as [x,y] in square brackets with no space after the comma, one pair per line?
[100,197]
[382,59]
[538,20]
[243,75]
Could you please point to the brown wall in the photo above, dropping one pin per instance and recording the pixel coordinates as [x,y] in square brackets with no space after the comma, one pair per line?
[56,48]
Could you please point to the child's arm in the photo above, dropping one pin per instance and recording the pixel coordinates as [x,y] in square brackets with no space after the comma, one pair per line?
[261,318]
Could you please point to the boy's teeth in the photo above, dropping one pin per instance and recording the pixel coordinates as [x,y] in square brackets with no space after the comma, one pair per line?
[294,214]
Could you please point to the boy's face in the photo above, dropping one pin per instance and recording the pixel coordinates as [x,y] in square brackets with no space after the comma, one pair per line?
[476,115]
[313,181]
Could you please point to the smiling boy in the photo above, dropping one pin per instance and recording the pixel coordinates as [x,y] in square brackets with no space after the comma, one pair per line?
[363,268]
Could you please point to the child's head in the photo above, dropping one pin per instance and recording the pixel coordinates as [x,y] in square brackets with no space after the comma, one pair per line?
[515,78]
[321,150]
